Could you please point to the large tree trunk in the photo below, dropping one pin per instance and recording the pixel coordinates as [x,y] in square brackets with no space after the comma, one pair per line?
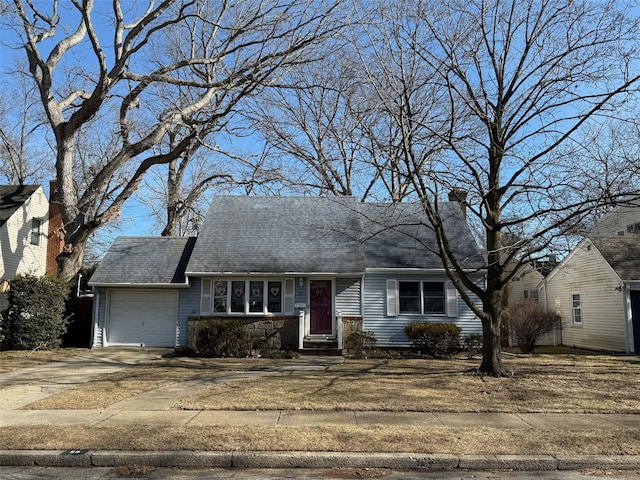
[70,260]
[493,298]
[173,198]
[491,347]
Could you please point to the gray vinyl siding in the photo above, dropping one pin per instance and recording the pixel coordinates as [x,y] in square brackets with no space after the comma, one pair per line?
[99,321]
[586,272]
[389,331]
[348,296]
[188,306]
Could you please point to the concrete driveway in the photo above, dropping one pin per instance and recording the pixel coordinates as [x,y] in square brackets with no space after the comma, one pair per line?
[27,385]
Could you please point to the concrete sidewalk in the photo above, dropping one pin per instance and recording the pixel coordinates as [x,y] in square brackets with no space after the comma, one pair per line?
[188,418]
[25,386]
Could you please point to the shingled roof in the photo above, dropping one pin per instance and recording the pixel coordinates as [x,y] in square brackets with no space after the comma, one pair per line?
[279,235]
[400,236]
[622,253]
[140,261]
[315,235]
[12,197]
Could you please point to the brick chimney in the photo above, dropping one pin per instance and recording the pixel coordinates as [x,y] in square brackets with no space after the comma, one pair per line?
[55,233]
[459,195]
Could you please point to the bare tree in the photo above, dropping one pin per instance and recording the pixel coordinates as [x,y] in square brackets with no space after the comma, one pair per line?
[23,157]
[521,79]
[312,129]
[176,68]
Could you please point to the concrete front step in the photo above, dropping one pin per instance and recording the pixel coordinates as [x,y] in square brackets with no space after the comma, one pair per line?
[328,347]
[320,352]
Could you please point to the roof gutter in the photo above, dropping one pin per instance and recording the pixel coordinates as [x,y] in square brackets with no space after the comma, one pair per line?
[479,271]
[140,285]
[275,274]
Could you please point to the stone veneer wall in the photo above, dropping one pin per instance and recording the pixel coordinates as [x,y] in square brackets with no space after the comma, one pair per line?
[272,333]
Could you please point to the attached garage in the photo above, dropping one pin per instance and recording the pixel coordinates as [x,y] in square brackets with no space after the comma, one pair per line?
[138,289]
[142,317]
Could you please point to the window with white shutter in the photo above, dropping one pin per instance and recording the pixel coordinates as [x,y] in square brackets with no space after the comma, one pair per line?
[452,300]
[392,298]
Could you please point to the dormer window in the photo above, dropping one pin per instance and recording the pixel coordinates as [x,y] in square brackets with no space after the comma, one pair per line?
[36,230]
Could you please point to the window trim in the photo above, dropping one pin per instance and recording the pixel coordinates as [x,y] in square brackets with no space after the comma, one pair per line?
[574,309]
[36,231]
[207,298]
[450,298]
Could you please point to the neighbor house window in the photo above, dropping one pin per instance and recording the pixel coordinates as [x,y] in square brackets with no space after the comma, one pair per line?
[36,226]
[633,228]
[421,297]
[576,309]
[531,295]
[243,296]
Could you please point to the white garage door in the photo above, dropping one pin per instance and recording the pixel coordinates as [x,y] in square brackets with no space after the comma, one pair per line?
[142,317]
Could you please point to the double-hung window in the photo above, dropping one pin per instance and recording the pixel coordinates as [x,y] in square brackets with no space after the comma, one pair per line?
[576,309]
[422,297]
[409,296]
[241,296]
[531,295]
[36,227]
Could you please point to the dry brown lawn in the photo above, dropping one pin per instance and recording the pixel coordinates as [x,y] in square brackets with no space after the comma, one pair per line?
[335,438]
[16,359]
[540,383]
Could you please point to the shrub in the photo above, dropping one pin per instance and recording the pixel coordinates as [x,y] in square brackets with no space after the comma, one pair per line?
[360,342]
[35,317]
[473,344]
[434,338]
[223,338]
[528,323]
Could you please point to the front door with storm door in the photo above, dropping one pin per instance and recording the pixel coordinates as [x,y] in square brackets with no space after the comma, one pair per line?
[320,307]
[635,319]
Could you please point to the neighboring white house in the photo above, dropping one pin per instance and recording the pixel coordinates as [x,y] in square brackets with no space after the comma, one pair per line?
[526,285]
[24,221]
[624,220]
[596,289]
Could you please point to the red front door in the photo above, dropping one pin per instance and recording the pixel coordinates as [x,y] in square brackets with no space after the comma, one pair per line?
[320,307]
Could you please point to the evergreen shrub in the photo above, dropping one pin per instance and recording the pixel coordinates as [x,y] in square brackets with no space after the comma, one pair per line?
[224,338]
[358,343]
[434,338]
[36,316]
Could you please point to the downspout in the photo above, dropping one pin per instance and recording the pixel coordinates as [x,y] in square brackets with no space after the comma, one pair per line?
[96,305]
[362,300]
[628,317]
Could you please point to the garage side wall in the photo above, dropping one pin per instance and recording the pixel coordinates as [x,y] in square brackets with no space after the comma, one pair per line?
[188,306]
[98,317]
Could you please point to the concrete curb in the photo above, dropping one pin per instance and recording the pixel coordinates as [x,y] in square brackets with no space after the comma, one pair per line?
[397,461]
